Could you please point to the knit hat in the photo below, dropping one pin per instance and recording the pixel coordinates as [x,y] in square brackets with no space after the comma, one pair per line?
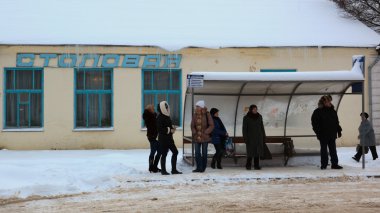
[201,104]
[213,111]
[365,114]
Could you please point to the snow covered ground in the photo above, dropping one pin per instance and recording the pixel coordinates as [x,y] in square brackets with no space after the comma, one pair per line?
[56,173]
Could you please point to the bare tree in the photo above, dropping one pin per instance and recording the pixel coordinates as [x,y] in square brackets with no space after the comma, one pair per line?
[366,11]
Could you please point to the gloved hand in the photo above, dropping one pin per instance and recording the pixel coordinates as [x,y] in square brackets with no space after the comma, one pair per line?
[339,134]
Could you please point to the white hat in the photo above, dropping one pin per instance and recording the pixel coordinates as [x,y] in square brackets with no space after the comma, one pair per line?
[201,104]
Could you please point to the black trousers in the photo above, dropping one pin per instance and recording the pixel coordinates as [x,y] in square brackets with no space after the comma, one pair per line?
[165,147]
[330,143]
[373,152]
[219,150]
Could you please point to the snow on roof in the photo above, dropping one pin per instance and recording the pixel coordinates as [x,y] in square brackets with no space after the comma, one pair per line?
[173,24]
[355,74]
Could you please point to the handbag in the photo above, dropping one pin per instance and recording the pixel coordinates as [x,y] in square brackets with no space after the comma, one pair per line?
[229,147]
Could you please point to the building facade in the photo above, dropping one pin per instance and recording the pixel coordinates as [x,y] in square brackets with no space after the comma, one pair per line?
[92,97]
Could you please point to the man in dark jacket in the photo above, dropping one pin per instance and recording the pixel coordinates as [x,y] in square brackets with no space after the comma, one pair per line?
[165,137]
[326,126]
[150,118]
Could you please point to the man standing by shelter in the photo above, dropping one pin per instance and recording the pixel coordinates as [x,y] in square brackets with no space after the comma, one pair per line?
[326,126]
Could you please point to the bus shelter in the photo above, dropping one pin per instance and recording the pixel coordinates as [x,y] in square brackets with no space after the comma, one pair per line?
[286,100]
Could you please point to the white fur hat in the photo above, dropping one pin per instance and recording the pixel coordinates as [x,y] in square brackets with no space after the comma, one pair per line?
[201,104]
[164,108]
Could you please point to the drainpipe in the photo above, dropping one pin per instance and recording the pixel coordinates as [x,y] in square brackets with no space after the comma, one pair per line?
[370,82]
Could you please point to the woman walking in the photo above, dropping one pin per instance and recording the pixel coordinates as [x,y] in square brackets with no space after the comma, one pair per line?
[367,137]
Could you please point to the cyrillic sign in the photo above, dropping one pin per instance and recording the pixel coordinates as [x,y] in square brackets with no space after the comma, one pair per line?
[98,60]
[195,80]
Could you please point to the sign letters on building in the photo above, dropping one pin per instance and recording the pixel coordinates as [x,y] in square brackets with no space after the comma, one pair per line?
[98,60]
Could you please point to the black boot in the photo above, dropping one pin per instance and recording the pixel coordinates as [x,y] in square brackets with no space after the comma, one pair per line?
[163,167]
[374,152]
[174,165]
[155,169]
[150,164]
[256,164]
[249,163]
[219,163]
[213,162]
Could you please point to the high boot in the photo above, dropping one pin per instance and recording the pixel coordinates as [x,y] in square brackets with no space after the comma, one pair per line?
[150,164]
[174,165]
[213,162]
[256,164]
[219,163]
[249,163]
[155,164]
[163,167]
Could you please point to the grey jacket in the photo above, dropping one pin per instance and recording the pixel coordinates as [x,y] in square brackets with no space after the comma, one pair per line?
[366,134]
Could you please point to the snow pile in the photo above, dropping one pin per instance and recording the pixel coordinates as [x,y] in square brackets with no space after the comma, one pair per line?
[173,24]
[50,173]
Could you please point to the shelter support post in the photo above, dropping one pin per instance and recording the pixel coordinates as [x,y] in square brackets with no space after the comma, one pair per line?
[192,114]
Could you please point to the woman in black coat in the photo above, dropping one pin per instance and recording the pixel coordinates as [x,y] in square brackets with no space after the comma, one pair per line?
[165,138]
[254,137]
[150,118]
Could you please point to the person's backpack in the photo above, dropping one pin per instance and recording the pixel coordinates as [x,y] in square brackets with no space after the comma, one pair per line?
[229,147]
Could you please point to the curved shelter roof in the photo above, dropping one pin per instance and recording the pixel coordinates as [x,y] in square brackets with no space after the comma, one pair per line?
[285,100]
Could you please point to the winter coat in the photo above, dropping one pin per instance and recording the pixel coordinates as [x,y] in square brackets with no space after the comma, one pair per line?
[151,124]
[366,134]
[325,123]
[164,127]
[202,126]
[254,134]
[219,132]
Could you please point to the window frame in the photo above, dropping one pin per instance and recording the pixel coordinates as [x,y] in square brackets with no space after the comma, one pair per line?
[19,91]
[93,91]
[156,92]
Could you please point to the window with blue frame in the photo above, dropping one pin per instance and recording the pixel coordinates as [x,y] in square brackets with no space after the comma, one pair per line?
[23,98]
[163,85]
[93,98]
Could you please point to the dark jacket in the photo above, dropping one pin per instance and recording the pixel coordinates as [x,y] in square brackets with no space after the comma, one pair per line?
[254,134]
[164,127]
[325,123]
[151,124]
[219,132]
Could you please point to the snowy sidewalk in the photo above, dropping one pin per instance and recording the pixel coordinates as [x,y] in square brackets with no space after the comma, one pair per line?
[51,173]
